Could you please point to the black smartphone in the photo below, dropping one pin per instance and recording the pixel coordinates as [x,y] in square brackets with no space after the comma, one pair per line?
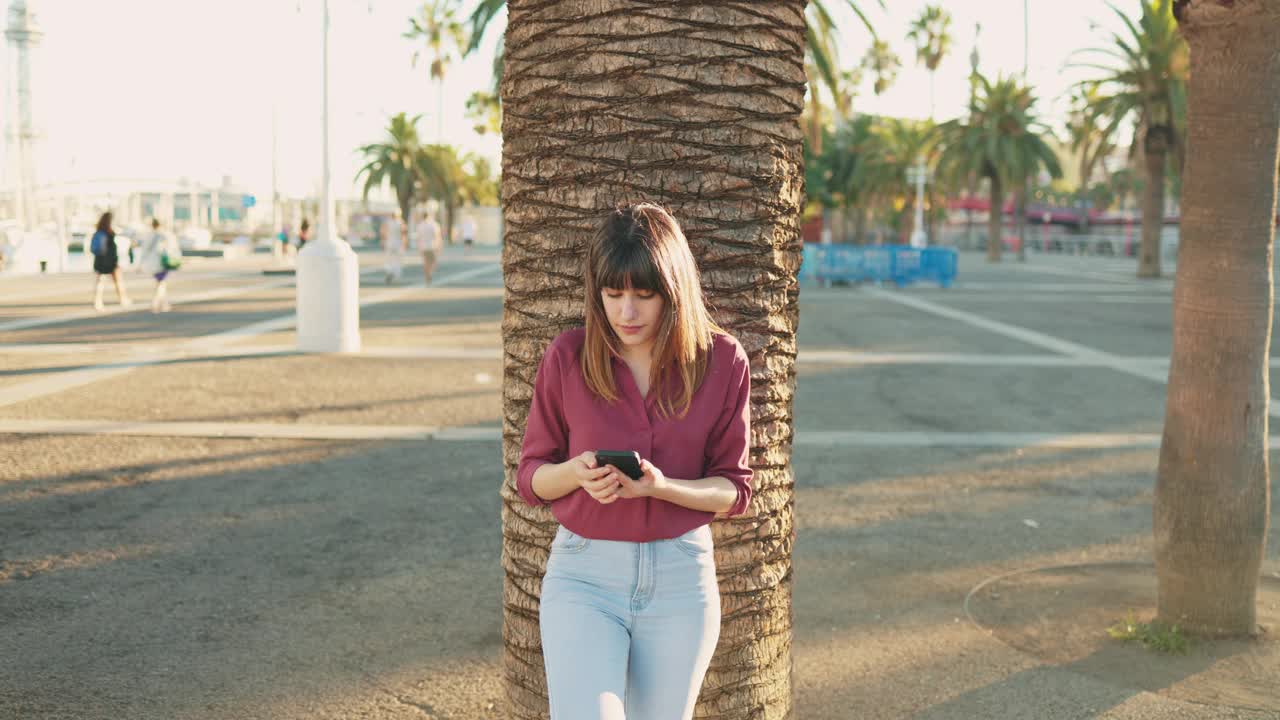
[628,461]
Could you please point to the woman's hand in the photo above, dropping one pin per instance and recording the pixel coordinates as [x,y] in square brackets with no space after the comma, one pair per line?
[595,480]
[648,485]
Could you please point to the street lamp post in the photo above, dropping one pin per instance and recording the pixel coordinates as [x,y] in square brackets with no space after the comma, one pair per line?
[328,276]
[918,175]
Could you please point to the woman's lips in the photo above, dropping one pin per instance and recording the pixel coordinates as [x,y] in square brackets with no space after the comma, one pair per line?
[631,329]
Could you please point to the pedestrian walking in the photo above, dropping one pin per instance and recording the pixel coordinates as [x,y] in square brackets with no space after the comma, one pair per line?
[304,234]
[106,262]
[161,256]
[630,607]
[430,243]
[282,243]
[468,231]
[393,241]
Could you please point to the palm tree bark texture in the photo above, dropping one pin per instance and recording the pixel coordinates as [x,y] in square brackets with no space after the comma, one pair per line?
[1212,490]
[695,106]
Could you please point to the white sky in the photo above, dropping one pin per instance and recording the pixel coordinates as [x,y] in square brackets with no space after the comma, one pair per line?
[164,89]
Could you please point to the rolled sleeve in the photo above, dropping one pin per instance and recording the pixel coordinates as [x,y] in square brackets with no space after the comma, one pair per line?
[546,437]
[728,449]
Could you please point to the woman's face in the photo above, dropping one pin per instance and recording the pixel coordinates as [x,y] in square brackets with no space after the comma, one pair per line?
[635,315]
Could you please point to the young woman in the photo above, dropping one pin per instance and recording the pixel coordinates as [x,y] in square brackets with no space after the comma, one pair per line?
[160,256]
[106,262]
[630,608]
[392,235]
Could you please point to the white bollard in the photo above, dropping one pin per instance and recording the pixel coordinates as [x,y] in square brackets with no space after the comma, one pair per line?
[328,280]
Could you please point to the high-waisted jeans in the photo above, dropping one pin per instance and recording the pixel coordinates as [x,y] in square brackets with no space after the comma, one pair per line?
[628,628]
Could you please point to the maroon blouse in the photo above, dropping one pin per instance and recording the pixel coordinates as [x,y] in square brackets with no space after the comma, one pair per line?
[567,419]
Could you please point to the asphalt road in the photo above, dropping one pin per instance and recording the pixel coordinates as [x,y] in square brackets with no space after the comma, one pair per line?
[312,565]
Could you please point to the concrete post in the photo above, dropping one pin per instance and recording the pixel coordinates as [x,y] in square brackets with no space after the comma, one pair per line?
[328,271]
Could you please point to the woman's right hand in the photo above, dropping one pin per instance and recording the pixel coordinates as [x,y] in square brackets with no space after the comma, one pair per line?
[595,480]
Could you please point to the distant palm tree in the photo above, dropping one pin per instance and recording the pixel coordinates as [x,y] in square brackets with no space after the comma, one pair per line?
[1003,142]
[453,179]
[1146,83]
[882,63]
[393,161]
[438,26]
[899,145]
[844,175]
[1093,142]
[931,33]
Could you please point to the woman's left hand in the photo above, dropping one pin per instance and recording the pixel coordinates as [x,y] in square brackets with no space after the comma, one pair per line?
[648,485]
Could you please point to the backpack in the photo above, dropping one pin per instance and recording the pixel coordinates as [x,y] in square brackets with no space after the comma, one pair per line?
[97,245]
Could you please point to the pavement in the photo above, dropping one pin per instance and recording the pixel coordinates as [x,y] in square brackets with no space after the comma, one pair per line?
[198,522]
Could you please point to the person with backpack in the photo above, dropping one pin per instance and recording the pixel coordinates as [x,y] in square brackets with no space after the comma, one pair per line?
[106,261]
[160,256]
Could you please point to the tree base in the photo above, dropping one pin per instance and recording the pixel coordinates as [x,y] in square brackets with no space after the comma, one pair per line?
[1061,615]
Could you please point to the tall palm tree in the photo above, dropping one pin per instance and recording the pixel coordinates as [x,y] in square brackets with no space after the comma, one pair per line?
[1092,141]
[900,144]
[1145,83]
[1003,141]
[393,161]
[1212,498]
[453,179]
[821,47]
[846,168]
[883,64]
[931,33]
[443,34]
[731,172]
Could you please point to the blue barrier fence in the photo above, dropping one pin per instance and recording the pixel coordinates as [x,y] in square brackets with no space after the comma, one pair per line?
[899,264]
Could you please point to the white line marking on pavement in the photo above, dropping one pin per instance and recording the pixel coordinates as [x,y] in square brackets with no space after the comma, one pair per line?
[1073,273]
[1066,298]
[1030,337]
[835,357]
[1070,441]
[1066,441]
[1154,373]
[411,353]
[63,381]
[1154,290]
[140,306]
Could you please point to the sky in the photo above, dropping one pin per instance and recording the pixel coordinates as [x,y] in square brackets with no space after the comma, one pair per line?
[169,89]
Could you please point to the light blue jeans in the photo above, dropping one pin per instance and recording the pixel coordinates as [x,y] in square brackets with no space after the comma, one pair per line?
[628,629]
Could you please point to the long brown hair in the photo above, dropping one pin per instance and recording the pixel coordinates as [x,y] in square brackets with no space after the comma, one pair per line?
[643,248]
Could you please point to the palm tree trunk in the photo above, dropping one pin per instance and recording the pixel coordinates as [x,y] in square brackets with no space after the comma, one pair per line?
[1212,490]
[860,225]
[1020,222]
[738,192]
[995,220]
[1155,150]
[908,220]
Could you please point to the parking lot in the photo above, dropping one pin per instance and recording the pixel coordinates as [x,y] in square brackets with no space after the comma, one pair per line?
[197,522]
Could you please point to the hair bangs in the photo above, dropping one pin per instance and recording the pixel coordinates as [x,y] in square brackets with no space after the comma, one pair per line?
[628,265]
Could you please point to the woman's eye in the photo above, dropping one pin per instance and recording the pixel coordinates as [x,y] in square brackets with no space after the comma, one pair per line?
[645,295]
